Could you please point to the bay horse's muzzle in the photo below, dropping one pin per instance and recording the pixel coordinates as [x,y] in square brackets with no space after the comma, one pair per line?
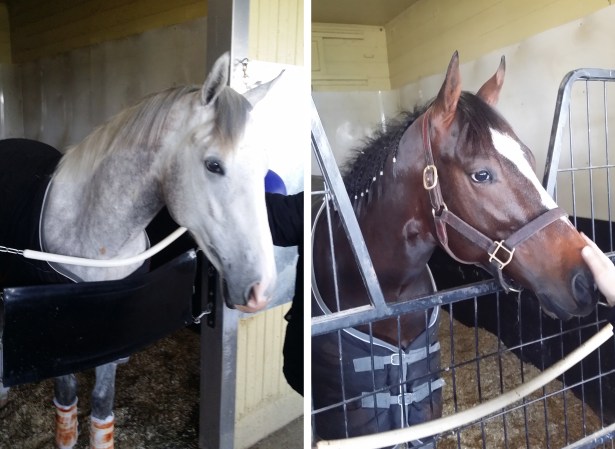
[584,294]
[584,291]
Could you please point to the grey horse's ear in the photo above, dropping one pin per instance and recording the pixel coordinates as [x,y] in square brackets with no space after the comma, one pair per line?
[216,81]
[258,93]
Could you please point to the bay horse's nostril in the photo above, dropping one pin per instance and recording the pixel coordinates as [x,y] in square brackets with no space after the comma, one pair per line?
[583,289]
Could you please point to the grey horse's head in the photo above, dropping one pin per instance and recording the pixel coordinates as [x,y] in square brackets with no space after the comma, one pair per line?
[213,184]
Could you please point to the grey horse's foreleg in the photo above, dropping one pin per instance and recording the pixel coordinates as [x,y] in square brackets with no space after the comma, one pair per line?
[4,395]
[102,420]
[65,400]
[4,391]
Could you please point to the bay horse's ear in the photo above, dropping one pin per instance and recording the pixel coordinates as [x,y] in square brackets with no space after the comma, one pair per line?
[257,93]
[490,91]
[216,80]
[445,104]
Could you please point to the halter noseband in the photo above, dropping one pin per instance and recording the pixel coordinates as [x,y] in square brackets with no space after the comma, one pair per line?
[500,252]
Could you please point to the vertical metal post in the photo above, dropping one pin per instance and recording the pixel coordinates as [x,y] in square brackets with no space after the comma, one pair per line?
[227,30]
[560,119]
[218,367]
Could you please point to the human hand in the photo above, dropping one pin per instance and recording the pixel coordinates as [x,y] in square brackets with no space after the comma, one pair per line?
[602,269]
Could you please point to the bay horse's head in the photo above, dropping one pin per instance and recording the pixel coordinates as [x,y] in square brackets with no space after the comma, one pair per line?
[487,204]
[213,185]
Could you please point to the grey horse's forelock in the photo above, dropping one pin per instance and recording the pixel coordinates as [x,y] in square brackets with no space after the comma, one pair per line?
[232,114]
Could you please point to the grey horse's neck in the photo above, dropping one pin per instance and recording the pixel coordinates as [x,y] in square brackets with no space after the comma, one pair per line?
[107,189]
[105,216]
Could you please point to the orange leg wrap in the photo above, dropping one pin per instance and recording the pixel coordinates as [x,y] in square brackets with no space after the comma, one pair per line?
[66,425]
[101,433]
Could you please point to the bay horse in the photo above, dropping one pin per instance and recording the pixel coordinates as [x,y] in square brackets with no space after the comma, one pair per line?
[452,174]
[195,150]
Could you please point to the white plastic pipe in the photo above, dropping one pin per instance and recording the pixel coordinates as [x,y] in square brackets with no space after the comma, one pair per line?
[109,263]
[424,430]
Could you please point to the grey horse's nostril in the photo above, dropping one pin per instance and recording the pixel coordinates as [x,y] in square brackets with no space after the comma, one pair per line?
[255,292]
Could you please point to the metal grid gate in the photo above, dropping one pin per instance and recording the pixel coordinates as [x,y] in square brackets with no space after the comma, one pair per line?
[491,341]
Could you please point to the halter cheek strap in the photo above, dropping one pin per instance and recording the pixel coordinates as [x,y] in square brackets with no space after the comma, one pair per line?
[500,252]
[430,183]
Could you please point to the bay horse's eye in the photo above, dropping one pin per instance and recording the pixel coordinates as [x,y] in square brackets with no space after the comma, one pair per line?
[481,176]
[213,165]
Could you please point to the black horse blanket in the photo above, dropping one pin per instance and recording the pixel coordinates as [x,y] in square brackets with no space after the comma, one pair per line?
[135,311]
[406,387]
[26,167]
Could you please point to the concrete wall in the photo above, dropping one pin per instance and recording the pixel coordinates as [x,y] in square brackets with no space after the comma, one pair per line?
[5,35]
[421,39]
[42,28]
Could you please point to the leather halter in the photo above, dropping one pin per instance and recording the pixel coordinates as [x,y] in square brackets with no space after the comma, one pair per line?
[500,252]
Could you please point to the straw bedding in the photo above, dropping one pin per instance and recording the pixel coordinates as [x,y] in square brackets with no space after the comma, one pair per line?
[558,420]
[156,404]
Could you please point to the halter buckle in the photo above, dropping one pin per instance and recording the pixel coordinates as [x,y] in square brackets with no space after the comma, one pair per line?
[493,255]
[430,177]
[435,214]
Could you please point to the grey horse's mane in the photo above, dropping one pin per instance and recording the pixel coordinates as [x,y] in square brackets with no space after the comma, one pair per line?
[140,128]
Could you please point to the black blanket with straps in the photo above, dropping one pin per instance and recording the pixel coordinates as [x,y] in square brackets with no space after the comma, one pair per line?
[396,388]
[51,330]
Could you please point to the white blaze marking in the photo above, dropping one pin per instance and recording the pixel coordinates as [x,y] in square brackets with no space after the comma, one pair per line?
[511,150]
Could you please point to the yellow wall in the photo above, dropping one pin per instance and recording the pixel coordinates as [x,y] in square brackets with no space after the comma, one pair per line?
[421,40]
[5,35]
[259,353]
[264,401]
[349,57]
[276,31]
[44,28]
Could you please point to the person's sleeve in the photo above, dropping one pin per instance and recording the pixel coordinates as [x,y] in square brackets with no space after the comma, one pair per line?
[611,316]
[285,214]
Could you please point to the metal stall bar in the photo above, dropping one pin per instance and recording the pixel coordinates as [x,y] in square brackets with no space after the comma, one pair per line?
[227,30]
[359,315]
[595,439]
[336,190]
[560,119]
[565,133]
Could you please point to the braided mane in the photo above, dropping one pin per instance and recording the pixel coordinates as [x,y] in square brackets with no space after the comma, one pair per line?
[367,163]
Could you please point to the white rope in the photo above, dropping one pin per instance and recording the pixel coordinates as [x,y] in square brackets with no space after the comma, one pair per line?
[109,263]
[424,430]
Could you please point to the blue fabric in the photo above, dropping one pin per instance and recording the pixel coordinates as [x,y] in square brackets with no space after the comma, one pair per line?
[26,167]
[274,184]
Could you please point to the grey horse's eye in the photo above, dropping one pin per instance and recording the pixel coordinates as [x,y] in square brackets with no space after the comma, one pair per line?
[214,166]
[481,176]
